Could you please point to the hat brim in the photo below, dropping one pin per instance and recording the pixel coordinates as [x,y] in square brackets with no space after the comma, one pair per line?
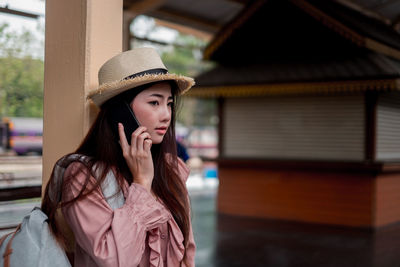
[109,90]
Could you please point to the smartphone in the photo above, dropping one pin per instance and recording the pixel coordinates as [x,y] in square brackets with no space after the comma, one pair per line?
[123,113]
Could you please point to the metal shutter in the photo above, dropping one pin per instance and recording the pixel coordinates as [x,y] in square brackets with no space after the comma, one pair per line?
[307,127]
[388,126]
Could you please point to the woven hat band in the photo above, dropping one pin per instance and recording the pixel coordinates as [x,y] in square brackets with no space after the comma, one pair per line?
[147,72]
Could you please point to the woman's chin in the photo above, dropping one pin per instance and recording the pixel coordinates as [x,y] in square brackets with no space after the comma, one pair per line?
[157,140]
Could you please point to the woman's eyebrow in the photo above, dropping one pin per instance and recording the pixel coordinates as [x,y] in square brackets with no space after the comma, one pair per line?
[161,96]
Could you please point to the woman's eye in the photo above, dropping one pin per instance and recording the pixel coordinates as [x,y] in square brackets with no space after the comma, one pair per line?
[154,103]
[170,104]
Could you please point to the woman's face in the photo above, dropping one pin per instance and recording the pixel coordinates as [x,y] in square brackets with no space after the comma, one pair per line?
[152,108]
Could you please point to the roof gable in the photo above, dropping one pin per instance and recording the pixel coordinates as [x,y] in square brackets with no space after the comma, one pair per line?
[290,29]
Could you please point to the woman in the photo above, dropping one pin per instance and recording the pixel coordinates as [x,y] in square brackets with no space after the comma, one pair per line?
[125,200]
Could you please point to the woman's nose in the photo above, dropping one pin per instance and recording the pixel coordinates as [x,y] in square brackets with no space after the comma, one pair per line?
[165,113]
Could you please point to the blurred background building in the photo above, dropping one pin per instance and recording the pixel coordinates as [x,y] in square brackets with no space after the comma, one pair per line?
[309,114]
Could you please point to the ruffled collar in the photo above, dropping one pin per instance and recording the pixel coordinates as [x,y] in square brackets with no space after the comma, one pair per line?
[175,248]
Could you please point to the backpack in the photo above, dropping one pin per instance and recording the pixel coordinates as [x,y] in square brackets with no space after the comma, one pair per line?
[32,243]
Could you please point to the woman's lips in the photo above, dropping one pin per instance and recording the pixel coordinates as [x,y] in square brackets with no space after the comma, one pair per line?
[161,130]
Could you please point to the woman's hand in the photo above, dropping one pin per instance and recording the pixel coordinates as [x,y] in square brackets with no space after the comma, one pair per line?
[138,155]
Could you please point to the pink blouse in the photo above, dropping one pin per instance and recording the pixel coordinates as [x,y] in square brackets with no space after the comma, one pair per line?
[141,233]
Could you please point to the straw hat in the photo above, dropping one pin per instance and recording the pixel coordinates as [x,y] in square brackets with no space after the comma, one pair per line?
[131,69]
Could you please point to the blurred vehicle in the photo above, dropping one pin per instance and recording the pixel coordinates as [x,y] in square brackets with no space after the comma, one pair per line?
[3,137]
[22,135]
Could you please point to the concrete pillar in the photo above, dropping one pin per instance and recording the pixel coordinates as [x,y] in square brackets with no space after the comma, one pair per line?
[80,36]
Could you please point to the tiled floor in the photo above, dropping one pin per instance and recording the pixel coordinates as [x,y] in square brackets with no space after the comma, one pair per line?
[227,241]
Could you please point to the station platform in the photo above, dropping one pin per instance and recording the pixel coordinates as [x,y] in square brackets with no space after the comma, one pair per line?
[230,241]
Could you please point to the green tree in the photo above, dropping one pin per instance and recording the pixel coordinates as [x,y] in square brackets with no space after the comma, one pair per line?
[186,57]
[21,76]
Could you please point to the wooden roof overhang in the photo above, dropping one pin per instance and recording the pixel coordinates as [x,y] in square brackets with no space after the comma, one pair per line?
[316,47]
[372,72]
[316,88]
[212,15]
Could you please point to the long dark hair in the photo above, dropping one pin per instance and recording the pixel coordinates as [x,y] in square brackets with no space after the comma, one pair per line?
[167,184]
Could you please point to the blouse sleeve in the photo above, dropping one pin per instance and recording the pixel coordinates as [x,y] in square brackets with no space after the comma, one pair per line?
[191,248]
[111,238]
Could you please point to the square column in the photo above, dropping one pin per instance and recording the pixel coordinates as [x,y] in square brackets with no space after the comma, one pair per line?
[80,36]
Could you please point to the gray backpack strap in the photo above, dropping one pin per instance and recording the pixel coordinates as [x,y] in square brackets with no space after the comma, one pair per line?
[55,186]
[110,187]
